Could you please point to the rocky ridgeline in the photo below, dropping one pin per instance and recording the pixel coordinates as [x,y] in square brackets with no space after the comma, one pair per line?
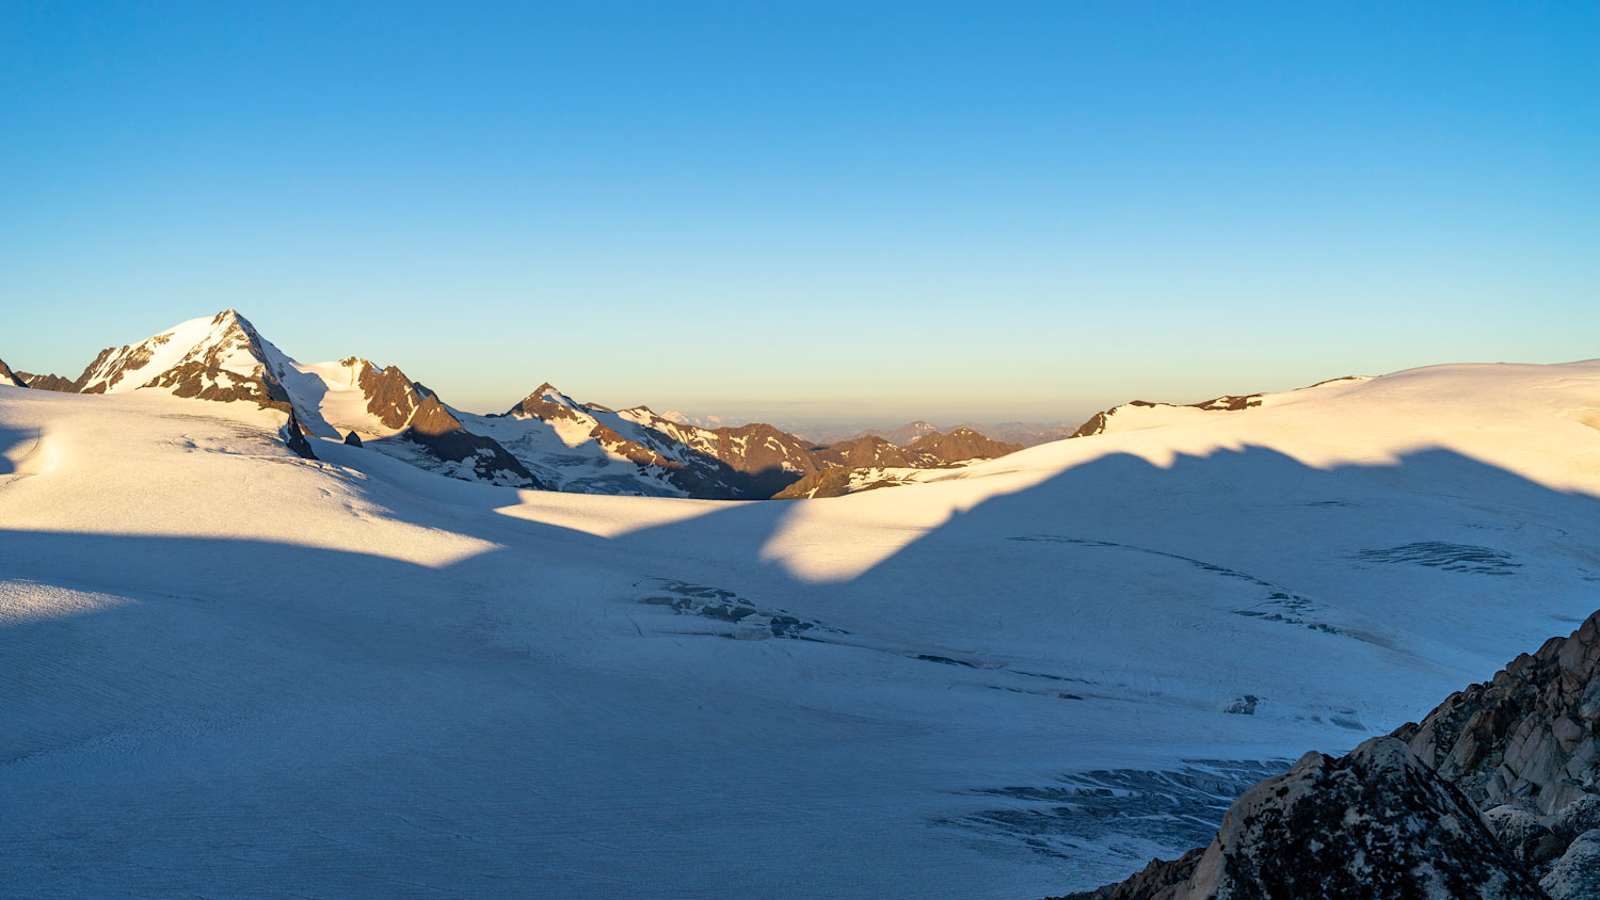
[1495,794]
[10,378]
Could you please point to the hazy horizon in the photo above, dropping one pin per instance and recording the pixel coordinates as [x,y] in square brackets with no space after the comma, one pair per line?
[839,214]
[825,418]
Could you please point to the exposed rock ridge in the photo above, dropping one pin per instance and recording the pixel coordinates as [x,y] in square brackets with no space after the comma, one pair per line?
[391,397]
[1100,421]
[10,378]
[1097,423]
[48,382]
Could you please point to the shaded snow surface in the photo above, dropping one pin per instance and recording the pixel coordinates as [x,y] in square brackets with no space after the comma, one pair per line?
[230,671]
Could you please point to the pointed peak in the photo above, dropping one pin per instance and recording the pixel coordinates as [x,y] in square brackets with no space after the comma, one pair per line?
[547,402]
[8,377]
[230,316]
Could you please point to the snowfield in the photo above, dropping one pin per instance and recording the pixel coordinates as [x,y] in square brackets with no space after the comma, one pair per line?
[229,671]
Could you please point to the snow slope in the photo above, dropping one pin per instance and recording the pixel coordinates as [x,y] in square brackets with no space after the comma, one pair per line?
[232,671]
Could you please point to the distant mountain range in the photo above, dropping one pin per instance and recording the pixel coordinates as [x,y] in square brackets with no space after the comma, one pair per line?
[547,440]
[1023,434]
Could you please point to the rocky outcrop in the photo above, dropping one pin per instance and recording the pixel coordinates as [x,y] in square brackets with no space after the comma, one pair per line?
[1104,420]
[10,378]
[1101,421]
[1514,760]
[352,440]
[1530,734]
[1375,823]
[47,382]
[294,437]
[1096,424]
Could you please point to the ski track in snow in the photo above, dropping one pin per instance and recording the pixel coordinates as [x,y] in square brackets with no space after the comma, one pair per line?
[231,671]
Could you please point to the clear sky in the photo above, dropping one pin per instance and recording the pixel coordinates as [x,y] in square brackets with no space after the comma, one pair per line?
[980,211]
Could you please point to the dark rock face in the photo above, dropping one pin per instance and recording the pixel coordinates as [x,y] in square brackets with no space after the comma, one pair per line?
[1530,734]
[1095,425]
[10,378]
[294,437]
[1374,823]
[632,451]
[768,458]
[391,396]
[441,433]
[400,403]
[203,382]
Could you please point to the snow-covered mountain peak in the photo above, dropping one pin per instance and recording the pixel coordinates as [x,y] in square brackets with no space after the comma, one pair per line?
[548,438]
[220,357]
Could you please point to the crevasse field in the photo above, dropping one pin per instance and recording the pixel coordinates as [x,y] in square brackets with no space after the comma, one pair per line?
[229,671]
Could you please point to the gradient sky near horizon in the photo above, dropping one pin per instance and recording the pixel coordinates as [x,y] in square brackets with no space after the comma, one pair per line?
[810,211]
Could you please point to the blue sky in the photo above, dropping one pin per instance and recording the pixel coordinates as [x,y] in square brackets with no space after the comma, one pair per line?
[807,211]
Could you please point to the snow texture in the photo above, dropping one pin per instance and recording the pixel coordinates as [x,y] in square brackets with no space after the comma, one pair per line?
[232,671]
